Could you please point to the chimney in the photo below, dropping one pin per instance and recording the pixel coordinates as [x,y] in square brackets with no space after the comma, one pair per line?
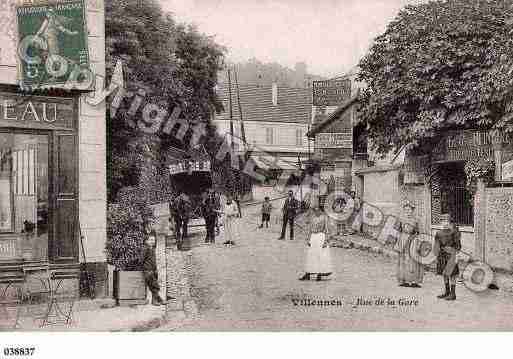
[275,94]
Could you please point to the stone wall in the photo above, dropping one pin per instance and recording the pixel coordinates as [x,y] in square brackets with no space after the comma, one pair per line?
[499,228]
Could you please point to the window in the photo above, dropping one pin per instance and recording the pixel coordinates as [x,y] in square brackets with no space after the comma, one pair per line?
[24,191]
[299,137]
[38,196]
[269,134]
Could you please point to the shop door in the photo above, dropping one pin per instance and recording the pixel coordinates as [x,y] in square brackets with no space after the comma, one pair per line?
[64,247]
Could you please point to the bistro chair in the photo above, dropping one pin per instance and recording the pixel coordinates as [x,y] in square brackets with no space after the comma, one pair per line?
[62,299]
[11,295]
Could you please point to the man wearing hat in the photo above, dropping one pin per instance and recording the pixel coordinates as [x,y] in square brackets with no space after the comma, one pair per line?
[290,208]
[447,245]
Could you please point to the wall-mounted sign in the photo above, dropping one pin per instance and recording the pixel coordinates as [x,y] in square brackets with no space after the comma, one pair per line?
[465,145]
[52,43]
[36,112]
[331,92]
[189,167]
[415,168]
[334,140]
[507,171]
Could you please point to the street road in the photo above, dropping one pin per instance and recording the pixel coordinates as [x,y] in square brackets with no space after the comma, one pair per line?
[254,286]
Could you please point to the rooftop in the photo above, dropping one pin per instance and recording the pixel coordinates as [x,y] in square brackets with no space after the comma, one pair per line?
[294,105]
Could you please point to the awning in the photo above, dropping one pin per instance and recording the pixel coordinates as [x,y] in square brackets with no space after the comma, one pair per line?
[267,162]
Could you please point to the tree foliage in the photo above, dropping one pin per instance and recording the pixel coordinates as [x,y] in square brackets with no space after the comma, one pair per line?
[438,66]
[174,64]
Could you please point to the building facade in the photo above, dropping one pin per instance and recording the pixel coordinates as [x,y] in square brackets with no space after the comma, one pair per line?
[52,148]
[339,142]
[275,122]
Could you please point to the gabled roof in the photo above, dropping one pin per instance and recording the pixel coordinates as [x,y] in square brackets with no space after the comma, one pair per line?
[294,104]
[333,116]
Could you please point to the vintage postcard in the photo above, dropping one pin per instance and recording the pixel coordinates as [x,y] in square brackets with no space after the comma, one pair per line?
[223,165]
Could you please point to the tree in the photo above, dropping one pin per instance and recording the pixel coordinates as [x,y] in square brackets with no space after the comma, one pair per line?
[174,64]
[438,66]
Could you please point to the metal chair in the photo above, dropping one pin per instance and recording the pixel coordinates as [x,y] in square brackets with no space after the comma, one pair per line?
[61,296]
[8,280]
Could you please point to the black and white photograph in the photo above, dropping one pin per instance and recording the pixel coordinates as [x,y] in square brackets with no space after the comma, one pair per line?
[172,166]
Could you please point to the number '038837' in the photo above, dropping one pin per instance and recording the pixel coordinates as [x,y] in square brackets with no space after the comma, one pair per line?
[19,351]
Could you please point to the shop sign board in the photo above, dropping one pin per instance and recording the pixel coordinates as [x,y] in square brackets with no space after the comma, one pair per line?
[331,92]
[189,167]
[334,140]
[52,43]
[36,112]
[464,145]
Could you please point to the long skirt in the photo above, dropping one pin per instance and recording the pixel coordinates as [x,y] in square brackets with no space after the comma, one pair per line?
[318,259]
[409,270]
[231,229]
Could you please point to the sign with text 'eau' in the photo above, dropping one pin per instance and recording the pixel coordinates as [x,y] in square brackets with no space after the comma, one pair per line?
[52,43]
[36,112]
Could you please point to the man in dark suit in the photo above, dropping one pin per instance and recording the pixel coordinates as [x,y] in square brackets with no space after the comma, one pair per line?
[180,209]
[210,212]
[290,208]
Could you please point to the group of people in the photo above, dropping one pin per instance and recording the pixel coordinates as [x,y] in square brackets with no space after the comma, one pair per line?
[212,210]
[410,270]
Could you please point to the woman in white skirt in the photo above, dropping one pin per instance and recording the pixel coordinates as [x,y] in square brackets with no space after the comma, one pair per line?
[318,258]
[231,216]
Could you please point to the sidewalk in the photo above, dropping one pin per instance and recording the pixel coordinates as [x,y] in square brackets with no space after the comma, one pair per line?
[95,315]
[103,315]
[504,281]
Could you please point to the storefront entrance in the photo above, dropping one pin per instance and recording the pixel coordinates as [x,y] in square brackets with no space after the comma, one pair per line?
[450,195]
[38,182]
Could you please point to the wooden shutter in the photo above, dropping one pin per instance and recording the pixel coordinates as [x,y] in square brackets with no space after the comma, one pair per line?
[65,198]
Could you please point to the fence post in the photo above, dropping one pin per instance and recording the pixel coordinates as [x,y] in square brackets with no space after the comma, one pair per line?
[480,220]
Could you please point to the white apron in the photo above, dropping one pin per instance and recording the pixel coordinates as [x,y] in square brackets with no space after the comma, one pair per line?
[318,259]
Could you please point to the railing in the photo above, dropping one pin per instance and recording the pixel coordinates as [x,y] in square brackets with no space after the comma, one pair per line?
[458,202]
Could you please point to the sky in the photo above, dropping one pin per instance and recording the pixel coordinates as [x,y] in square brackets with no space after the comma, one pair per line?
[329,35]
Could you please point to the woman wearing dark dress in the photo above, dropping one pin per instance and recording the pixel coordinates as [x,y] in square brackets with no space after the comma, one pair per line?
[447,245]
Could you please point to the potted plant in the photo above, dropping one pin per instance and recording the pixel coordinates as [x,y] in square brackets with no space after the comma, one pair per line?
[28,241]
[125,248]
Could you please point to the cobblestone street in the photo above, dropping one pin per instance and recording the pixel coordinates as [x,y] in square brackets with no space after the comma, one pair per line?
[254,286]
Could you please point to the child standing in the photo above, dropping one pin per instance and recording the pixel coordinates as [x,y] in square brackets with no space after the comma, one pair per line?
[447,244]
[266,212]
[150,271]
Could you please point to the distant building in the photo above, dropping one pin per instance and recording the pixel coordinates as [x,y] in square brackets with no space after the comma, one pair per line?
[339,141]
[276,120]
